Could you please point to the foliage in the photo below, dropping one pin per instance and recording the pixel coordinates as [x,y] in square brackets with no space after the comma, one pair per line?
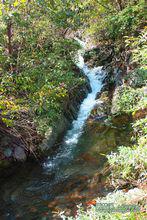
[140,127]
[116,205]
[111,20]
[138,77]
[9,110]
[128,164]
[94,214]
[129,99]
[125,21]
[37,62]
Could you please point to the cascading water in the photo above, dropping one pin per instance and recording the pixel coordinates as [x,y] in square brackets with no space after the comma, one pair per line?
[39,184]
[95,76]
[67,178]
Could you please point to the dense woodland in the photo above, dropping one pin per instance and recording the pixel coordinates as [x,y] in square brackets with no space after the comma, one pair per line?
[38,73]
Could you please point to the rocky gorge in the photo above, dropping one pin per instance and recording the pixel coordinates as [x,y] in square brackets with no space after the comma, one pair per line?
[84,178]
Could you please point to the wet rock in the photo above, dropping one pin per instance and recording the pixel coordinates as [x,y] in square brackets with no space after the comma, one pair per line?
[19,153]
[104,135]
[101,108]
[99,56]
[98,108]
[95,126]
[8,152]
[100,118]
[89,158]
[108,69]
[120,120]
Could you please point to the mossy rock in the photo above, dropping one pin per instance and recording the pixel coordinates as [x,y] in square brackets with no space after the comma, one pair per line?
[121,120]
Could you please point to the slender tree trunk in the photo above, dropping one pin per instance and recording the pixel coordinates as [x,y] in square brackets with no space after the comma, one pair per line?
[119,5]
[9,29]
[9,35]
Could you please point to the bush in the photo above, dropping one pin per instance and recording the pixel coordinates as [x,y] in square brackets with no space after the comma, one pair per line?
[129,163]
[94,214]
[129,99]
[140,127]
[125,21]
[138,77]
[44,80]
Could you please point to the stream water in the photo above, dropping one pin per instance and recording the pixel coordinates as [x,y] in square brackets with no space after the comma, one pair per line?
[37,189]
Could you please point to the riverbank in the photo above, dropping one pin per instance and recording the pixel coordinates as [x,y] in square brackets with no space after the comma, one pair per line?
[22,140]
[84,183]
[122,103]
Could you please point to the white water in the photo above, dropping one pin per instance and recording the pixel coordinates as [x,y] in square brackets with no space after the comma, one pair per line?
[70,141]
[95,76]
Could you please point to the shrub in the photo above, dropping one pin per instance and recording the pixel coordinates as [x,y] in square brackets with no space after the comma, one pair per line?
[94,214]
[140,127]
[138,77]
[125,21]
[129,163]
[129,99]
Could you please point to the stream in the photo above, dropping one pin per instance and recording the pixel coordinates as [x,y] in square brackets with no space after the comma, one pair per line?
[61,181]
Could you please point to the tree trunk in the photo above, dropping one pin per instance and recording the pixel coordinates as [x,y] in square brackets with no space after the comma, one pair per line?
[119,5]
[9,29]
[9,35]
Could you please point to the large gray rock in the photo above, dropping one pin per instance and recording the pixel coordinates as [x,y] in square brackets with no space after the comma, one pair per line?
[8,152]
[19,153]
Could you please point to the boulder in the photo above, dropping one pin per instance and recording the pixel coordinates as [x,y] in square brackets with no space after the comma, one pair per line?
[19,153]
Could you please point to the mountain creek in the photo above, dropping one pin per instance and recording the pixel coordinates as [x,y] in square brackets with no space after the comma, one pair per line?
[74,172]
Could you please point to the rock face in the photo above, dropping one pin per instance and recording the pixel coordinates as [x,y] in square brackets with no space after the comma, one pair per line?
[71,107]
[106,128]
[99,56]
[103,134]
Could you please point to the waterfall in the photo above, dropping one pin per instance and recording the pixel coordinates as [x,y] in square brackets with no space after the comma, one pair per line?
[95,76]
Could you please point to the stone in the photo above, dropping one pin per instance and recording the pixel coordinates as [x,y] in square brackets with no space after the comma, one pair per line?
[118,77]
[116,96]
[19,153]
[120,120]
[8,152]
